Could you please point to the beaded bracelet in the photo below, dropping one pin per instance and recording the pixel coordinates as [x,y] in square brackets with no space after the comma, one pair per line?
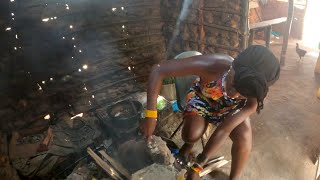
[197,167]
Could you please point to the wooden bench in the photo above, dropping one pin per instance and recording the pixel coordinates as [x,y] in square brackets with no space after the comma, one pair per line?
[265,26]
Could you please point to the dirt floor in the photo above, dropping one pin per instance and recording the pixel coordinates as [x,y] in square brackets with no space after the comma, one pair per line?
[286,136]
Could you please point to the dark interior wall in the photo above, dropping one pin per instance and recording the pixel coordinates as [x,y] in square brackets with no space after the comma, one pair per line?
[211,26]
[51,43]
[118,41]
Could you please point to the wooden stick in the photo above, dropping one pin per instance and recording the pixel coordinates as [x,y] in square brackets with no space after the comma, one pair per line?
[106,167]
[212,167]
[215,160]
[116,164]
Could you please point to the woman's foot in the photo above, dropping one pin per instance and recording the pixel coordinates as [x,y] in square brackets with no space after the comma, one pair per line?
[181,162]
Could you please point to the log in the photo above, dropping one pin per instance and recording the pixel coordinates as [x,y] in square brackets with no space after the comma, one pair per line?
[116,164]
[105,166]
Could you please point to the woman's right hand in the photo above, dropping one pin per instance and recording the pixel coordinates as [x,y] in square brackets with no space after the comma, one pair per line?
[147,127]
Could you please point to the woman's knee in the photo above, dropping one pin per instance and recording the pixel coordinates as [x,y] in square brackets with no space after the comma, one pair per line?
[189,137]
[242,134]
[193,129]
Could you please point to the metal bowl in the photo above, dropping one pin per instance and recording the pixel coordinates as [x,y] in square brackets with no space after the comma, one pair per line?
[125,114]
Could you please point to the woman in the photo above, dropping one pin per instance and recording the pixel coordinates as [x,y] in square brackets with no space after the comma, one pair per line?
[226,94]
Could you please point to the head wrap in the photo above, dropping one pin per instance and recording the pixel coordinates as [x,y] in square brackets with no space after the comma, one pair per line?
[256,68]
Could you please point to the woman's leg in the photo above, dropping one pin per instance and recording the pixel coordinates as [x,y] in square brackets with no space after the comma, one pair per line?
[193,128]
[241,147]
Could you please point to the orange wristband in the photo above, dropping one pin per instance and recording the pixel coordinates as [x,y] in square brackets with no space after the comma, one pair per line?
[151,113]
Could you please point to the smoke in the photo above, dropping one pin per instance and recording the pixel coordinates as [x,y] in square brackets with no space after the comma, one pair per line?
[182,17]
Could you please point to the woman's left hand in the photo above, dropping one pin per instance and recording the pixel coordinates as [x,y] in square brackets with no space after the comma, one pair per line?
[192,175]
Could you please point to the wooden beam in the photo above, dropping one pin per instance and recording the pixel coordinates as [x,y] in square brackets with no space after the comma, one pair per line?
[116,165]
[287,32]
[105,166]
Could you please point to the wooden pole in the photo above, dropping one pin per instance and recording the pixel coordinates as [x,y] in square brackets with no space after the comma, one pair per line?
[287,32]
[245,23]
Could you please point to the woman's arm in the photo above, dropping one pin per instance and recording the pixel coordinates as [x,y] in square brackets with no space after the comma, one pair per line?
[204,66]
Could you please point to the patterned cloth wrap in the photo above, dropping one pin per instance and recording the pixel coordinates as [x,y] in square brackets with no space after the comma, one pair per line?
[211,101]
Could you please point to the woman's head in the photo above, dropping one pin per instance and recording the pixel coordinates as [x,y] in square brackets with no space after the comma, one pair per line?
[256,68]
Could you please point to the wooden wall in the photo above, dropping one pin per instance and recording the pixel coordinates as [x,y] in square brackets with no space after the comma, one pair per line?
[212,26]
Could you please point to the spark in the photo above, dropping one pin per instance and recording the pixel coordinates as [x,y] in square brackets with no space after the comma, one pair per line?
[71,26]
[78,115]
[45,19]
[85,88]
[122,8]
[16,36]
[67,7]
[47,117]
[79,70]
[40,88]
[8,29]
[51,79]
[55,17]
[129,68]
[43,82]
[123,26]
[72,38]
[92,96]
[11,0]
[114,9]
[12,14]
[80,51]
[63,37]
[15,48]
[85,66]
